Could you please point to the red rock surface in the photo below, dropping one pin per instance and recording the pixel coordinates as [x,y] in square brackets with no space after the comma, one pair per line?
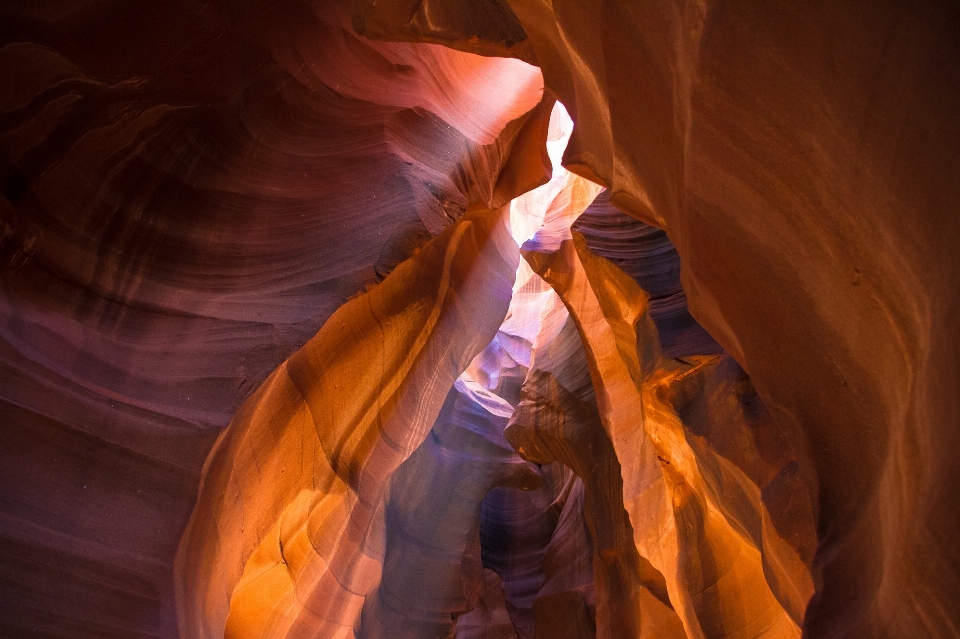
[804,162]
[256,215]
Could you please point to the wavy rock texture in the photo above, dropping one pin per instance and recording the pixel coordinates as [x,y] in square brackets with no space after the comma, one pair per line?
[459,442]
[180,214]
[803,160]
[646,254]
[275,556]
[725,577]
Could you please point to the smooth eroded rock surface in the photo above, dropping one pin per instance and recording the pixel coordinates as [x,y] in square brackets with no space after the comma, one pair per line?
[723,404]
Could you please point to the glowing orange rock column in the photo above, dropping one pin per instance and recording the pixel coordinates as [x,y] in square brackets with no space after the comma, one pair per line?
[287,535]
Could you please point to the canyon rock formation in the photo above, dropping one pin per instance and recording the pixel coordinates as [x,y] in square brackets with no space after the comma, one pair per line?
[487,318]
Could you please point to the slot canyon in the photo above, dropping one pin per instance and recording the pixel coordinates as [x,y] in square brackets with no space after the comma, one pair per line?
[479,319]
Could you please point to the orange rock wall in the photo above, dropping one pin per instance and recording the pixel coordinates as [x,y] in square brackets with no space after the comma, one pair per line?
[192,191]
[803,161]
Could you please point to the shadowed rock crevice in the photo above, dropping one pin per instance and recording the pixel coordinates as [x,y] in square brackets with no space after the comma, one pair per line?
[262,261]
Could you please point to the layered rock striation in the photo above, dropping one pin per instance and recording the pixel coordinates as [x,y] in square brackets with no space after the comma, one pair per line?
[344,281]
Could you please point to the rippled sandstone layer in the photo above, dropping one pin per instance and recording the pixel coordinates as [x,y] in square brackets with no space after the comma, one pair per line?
[400,505]
[190,191]
[803,160]
[180,214]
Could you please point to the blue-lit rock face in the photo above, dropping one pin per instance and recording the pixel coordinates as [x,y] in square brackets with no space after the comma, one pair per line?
[646,254]
[432,566]
[306,330]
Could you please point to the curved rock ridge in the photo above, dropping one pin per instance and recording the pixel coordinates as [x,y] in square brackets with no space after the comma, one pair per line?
[464,439]
[647,255]
[803,160]
[487,27]
[271,555]
[489,91]
[715,558]
[181,211]
[403,493]
[433,570]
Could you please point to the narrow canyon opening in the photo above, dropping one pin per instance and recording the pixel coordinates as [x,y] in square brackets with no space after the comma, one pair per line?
[366,319]
[508,450]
